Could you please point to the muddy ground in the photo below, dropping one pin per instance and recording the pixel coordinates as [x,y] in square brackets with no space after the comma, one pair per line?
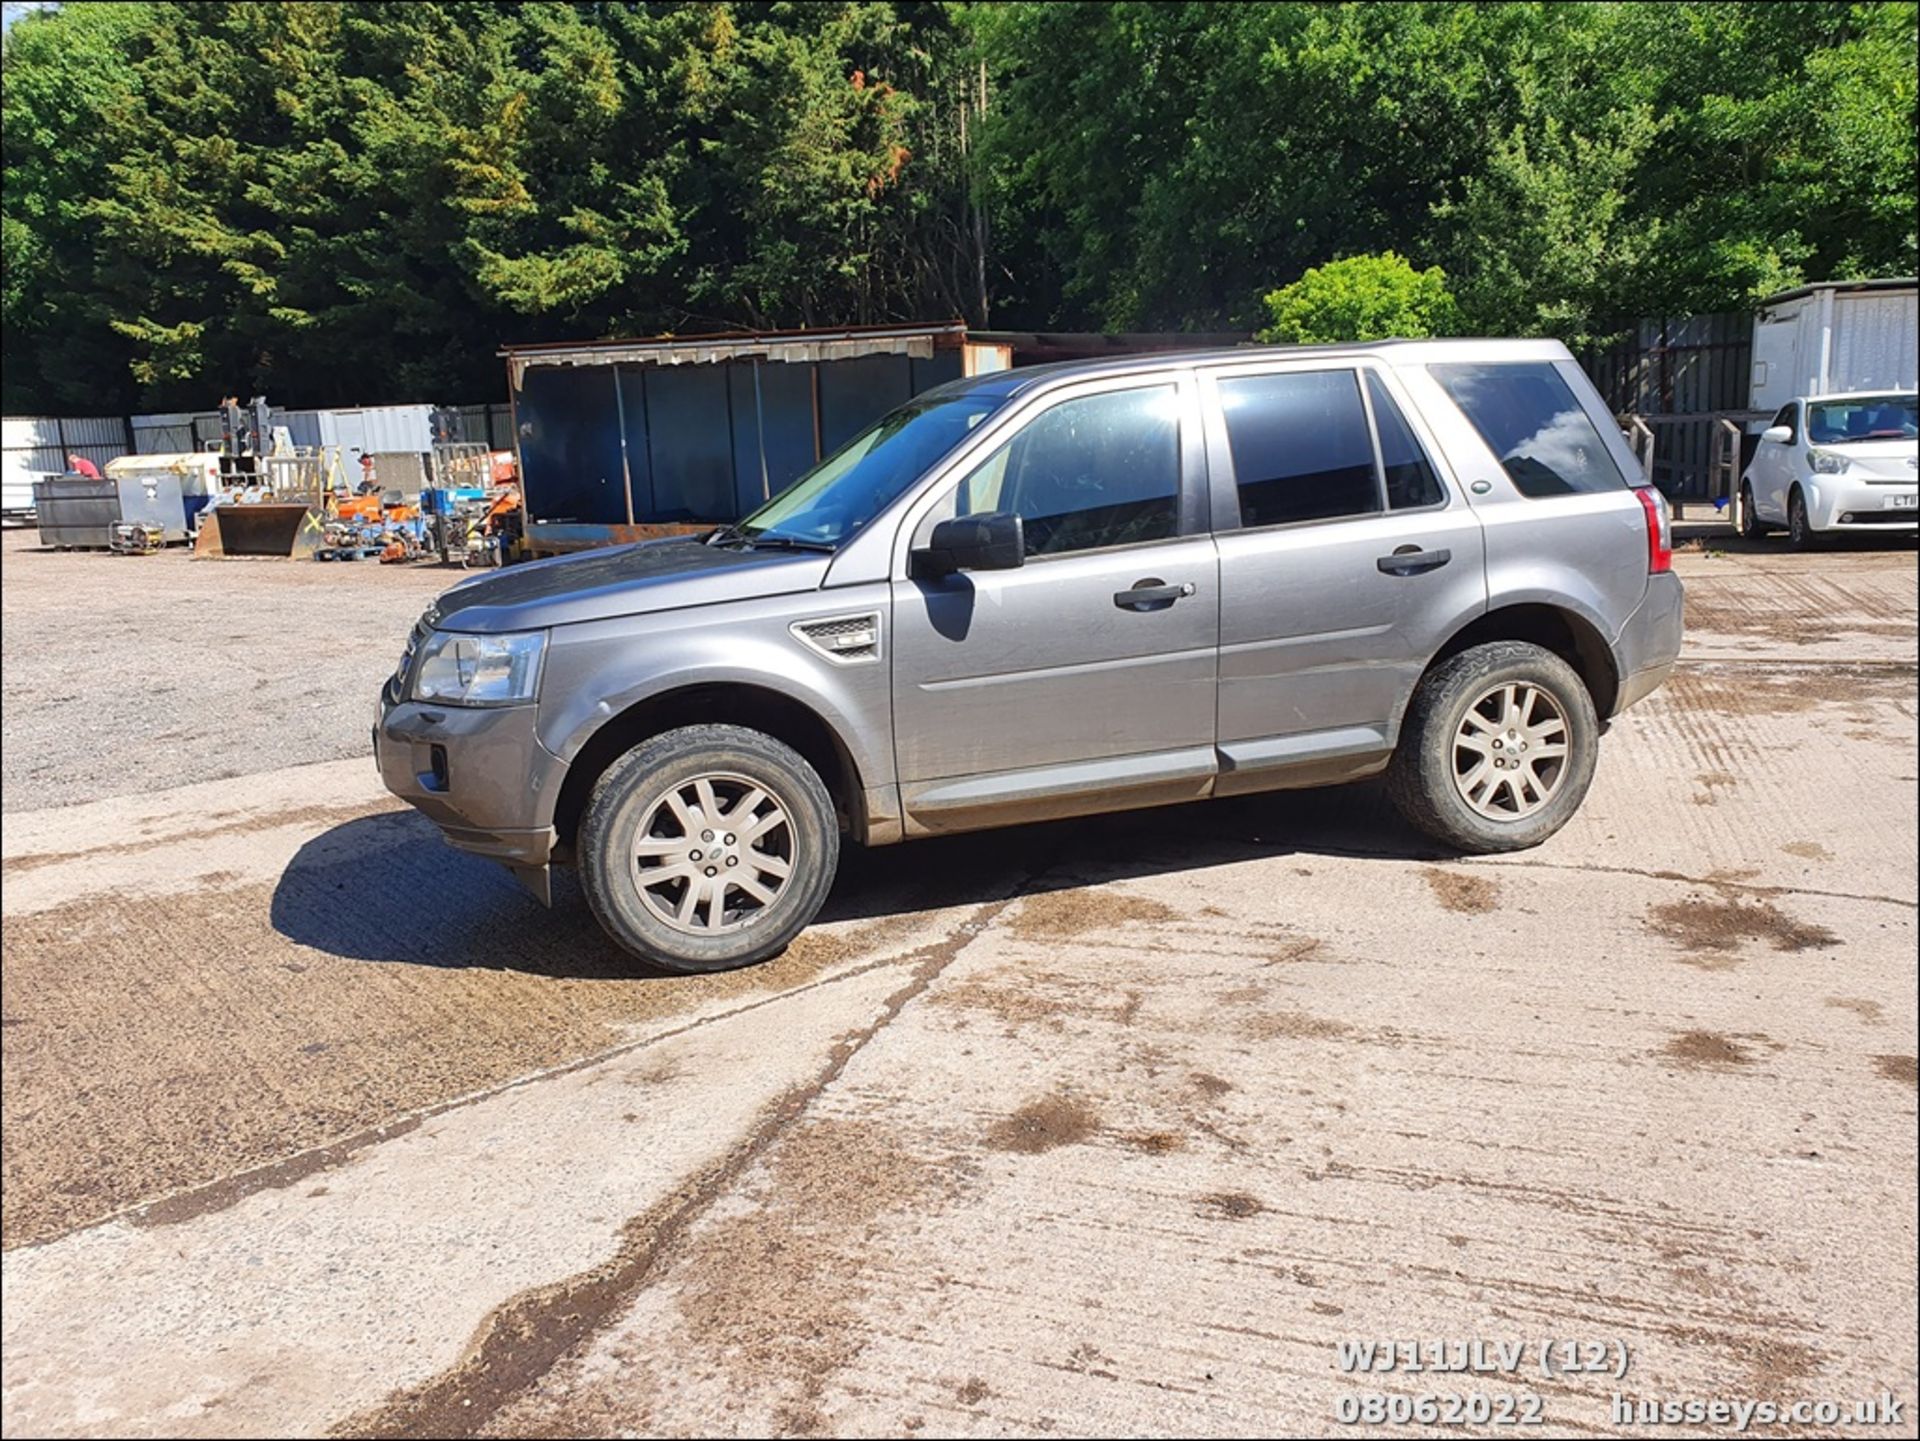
[1113,1126]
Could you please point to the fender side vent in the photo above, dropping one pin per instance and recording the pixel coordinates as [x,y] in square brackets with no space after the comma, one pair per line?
[845,638]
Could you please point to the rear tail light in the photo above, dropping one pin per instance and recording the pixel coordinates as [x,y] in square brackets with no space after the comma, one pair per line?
[1659,530]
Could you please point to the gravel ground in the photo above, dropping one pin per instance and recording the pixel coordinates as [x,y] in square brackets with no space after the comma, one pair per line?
[127,674]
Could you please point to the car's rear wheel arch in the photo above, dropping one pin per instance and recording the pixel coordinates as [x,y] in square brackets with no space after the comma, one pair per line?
[757,708]
[1566,633]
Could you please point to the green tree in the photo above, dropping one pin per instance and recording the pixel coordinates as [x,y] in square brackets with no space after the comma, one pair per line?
[1364,297]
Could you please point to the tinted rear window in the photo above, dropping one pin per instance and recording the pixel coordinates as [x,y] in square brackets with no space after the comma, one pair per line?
[1411,482]
[1529,417]
[1301,450]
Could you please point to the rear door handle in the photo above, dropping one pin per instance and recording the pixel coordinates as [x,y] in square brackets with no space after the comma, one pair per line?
[1411,560]
[1151,594]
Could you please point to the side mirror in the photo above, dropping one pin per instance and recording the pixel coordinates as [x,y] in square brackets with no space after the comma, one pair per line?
[1778,434]
[973,542]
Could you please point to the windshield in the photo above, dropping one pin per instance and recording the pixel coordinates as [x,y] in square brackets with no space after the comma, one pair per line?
[1861,417]
[860,479]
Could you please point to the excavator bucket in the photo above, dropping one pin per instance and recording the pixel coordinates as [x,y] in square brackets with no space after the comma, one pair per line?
[266,529]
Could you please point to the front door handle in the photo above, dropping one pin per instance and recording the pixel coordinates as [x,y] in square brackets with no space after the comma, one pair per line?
[1411,560]
[1151,594]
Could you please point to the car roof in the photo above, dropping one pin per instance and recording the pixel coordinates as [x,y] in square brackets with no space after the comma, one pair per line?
[1028,378]
[1880,394]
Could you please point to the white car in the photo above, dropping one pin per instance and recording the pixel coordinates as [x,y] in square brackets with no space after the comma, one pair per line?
[1835,463]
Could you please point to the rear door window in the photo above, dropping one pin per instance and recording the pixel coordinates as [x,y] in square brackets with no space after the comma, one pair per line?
[1411,481]
[1531,419]
[1301,448]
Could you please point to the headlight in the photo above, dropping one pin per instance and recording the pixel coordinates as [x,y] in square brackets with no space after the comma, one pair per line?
[1826,462]
[479,669]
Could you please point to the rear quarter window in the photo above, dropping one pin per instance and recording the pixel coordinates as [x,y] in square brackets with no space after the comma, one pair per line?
[1531,419]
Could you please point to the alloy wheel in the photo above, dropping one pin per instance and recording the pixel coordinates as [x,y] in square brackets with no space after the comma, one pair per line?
[713,854]
[1510,751]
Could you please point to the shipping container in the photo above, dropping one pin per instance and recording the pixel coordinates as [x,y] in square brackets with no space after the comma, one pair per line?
[1824,339]
[699,429]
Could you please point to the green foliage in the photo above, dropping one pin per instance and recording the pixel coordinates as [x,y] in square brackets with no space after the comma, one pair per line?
[1364,297]
[352,202]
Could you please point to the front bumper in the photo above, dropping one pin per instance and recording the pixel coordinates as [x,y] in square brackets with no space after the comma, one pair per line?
[480,774]
[1649,642]
[1841,502]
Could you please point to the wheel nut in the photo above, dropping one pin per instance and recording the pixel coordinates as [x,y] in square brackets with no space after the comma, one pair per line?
[713,870]
[733,860]
[1497,744]
[728,839]
[706,835]
[695,856]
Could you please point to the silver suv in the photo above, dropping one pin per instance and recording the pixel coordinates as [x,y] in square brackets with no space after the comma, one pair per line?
[1052,592]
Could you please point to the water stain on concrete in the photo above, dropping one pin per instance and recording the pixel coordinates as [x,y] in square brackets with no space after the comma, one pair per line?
[1043,1125]
[1292,1026]
[1464,894]
[1706,1051]
[1904,1069]
[1869,1011]
[1054,915]
[1155,1143]
[1229,1206]
[1808,850]
[1714,932]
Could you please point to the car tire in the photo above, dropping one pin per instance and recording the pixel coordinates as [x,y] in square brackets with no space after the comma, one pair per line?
[1751,526]
[1800,532]
[701,803]
[1519,790]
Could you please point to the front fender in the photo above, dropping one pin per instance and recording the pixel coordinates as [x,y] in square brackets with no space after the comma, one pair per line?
[596,670]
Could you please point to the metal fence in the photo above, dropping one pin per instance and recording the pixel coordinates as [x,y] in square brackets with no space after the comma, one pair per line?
[1678,378]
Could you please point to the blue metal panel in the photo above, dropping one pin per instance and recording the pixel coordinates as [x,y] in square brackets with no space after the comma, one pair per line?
[570,442]
[690,441]
[637,423]
[777,421]
[937,369]
[855,393]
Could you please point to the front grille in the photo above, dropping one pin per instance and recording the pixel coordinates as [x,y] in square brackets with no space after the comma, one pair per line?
[397,682]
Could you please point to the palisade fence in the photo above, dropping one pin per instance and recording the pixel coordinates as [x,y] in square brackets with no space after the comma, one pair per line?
[36,446]
[1681,386]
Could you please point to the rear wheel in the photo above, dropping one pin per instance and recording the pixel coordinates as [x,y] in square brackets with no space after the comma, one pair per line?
[1800,532]
[708,847]
[1497,748]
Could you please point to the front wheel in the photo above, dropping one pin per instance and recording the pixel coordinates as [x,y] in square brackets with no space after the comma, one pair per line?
[1497,748]
[708,847]
[1800,532]
[1751,526]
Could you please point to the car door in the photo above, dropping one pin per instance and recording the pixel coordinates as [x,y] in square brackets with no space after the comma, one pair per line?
[1773,466]
[1084,679]
[1346,560]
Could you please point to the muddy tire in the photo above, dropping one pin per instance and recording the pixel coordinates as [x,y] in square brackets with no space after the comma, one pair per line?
[707,848]
[1800,532]
[1496,750]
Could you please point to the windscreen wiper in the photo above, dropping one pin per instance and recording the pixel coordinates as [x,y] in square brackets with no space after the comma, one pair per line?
[789,542]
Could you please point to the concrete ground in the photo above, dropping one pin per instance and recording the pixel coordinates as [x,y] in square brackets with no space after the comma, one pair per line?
[1113,1126]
